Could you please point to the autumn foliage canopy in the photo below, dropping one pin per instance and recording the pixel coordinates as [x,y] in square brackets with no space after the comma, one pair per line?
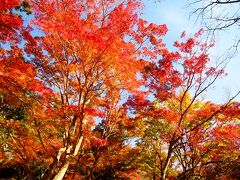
[89,90]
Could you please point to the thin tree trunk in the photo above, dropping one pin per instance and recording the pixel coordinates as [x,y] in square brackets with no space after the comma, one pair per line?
[164,172]
[61,173]
[166,165]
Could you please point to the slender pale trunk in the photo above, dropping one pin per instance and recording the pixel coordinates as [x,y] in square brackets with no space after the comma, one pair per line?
[166,165]
[62,171]
[64,168]
[164,172]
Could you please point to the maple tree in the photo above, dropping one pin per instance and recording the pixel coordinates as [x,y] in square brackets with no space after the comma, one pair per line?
[181,131]
[20,90]
[62,110]
[87,59]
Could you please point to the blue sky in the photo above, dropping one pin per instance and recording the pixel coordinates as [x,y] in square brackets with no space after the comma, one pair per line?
[176,16]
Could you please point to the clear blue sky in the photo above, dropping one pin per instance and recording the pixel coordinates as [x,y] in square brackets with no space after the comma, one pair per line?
[176,16]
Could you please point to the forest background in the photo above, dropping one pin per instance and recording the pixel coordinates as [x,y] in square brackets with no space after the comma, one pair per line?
[99,90]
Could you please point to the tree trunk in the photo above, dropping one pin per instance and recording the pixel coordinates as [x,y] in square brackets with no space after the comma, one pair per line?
[164,172]
[166,165]
[69,158]
[62,171]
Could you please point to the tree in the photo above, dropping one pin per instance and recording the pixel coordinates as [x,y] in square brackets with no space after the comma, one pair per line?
[89,54]
[224,18]
[19,91]
[180,131]
[62,91]
[218,15]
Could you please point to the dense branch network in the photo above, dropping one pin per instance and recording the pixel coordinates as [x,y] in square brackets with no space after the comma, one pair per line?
[98,95]
[218,14]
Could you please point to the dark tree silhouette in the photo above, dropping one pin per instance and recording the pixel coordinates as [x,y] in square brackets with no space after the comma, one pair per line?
[218,14]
